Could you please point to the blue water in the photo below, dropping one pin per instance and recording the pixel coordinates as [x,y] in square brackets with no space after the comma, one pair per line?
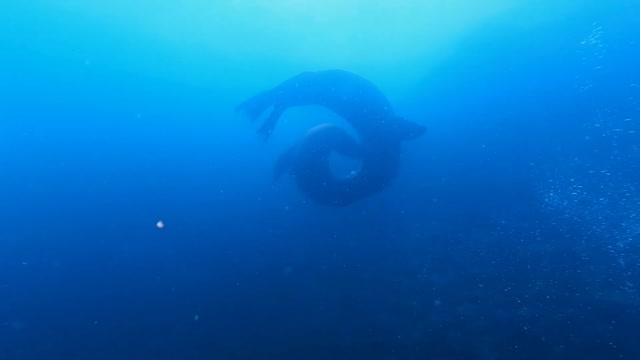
[511,232]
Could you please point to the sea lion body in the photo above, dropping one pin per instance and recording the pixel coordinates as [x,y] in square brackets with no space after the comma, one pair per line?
[359,102]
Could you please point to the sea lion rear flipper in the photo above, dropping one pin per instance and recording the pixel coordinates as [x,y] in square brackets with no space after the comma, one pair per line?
[269,124]
[256,105]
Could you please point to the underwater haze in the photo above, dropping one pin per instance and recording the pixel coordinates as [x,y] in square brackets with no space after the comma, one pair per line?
[140,218]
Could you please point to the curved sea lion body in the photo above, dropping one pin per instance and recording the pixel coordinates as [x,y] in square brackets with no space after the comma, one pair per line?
[350,96]
[308,162]
[364,107]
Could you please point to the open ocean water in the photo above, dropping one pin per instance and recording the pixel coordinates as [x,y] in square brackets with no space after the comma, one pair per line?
[139,218]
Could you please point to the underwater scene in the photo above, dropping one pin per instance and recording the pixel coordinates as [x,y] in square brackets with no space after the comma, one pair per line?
[298,179]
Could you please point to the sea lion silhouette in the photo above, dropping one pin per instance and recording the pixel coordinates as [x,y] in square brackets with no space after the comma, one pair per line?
[309,163]
[363,106]
[350,96]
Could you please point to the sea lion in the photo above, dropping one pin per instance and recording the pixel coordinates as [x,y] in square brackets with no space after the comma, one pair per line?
[359,102]
[308,162]
[350,96]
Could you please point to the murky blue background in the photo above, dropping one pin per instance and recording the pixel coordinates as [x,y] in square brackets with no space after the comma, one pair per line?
[512,230]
